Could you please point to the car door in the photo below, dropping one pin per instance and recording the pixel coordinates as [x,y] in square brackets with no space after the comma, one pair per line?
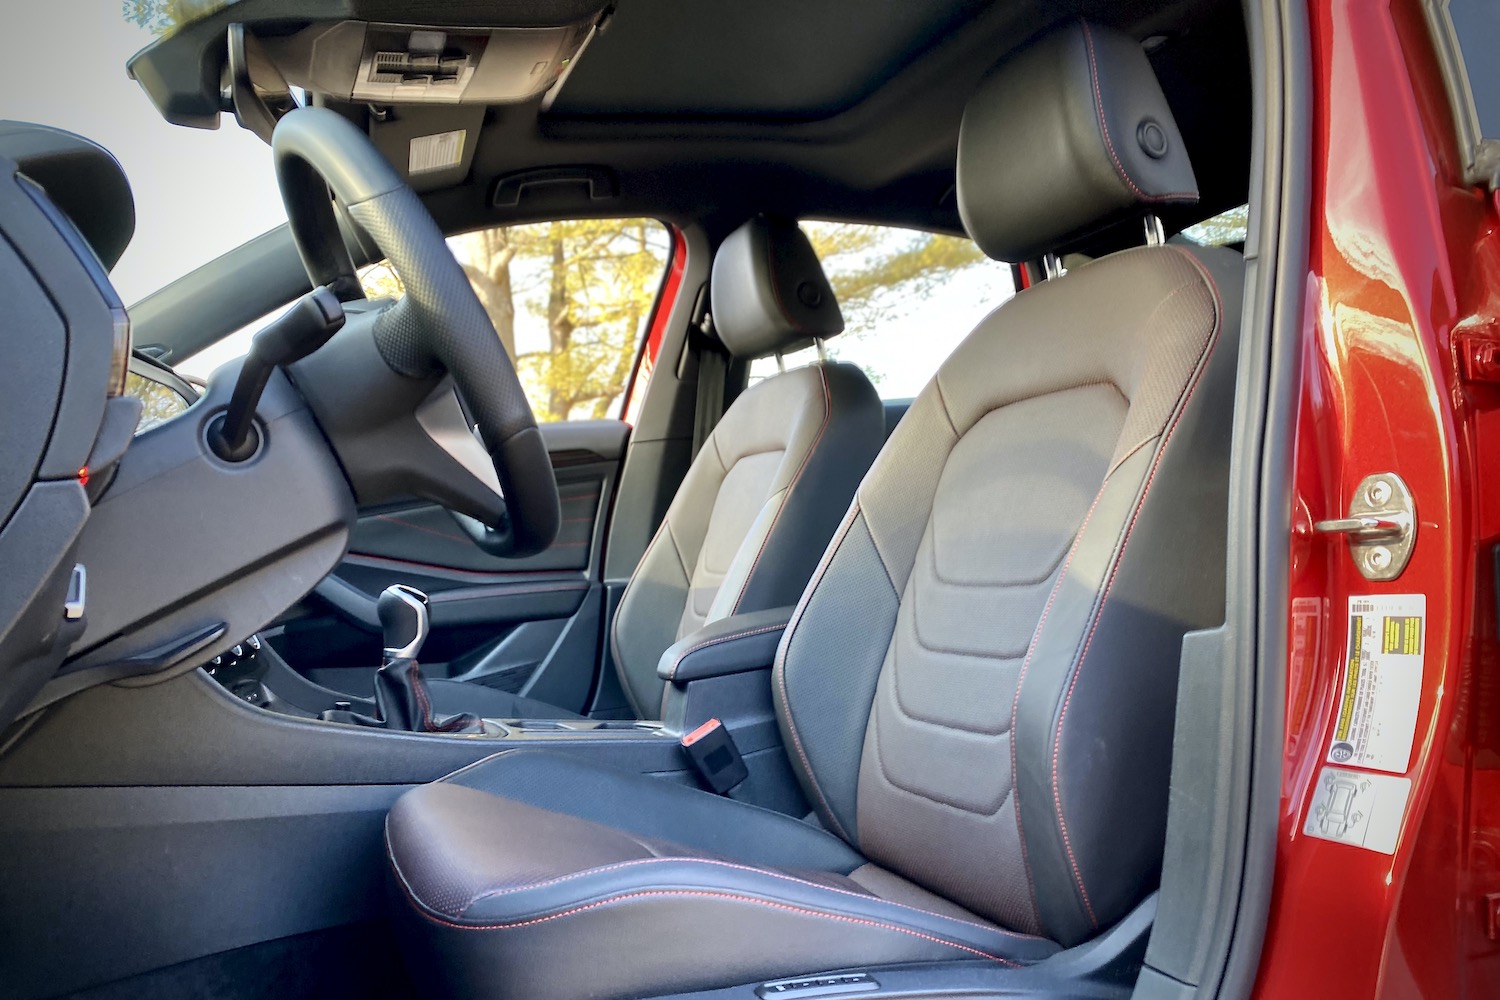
[574,302]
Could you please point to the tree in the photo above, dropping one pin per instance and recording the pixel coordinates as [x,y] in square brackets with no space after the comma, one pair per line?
[1224,229]
[600,278]
[589,284]
[162,17]
[866,263]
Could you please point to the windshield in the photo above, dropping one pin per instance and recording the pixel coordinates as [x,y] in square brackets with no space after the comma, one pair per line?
[198,194]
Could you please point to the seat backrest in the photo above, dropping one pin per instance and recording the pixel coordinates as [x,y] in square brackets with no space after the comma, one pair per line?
[978,686]
[767,488]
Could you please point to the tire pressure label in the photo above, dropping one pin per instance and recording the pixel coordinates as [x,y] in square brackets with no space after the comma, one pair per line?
[1377,709]
[1354,807]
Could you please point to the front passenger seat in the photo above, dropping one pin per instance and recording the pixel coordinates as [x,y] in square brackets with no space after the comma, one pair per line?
[978,688]
[767,488]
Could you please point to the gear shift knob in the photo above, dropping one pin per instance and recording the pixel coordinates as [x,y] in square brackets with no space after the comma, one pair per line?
[403,621]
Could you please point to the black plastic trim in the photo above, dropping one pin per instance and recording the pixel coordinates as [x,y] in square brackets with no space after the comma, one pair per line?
[1217,881]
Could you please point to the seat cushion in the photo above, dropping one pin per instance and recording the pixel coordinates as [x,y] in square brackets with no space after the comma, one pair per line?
[455,697]
[619,884]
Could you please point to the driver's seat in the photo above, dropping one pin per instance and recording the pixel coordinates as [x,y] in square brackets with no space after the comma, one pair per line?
[765,491]
[977,689]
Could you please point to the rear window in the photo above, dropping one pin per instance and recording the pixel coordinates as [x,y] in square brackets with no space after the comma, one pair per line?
[908,297]
[1226,229]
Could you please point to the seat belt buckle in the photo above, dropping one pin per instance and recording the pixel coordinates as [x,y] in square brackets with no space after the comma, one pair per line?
[715,757]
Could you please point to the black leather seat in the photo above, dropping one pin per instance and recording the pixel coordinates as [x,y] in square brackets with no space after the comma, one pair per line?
[766,490]
[977,688]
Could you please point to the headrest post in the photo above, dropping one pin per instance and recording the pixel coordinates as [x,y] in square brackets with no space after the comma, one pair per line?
[819,343]
[780,362]
[1155,234]
[1052,266]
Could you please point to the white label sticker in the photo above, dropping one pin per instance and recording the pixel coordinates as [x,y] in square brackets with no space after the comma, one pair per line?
[1377,708]
[437,152]
[1365,810]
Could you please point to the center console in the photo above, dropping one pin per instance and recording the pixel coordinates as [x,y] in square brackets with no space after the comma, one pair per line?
[718,691]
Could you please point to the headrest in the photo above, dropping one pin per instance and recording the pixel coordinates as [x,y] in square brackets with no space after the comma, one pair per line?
[769,292]
[83,180]
[1070,135]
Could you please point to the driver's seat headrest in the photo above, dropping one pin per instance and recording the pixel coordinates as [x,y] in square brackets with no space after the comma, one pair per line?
[769,293]
[1067,137]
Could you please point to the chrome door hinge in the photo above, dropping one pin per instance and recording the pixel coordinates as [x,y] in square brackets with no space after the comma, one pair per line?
[1381,526]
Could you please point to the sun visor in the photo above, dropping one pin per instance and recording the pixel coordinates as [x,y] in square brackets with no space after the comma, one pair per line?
[361,51]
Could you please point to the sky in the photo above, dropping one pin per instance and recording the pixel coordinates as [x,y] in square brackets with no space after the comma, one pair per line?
[198,193]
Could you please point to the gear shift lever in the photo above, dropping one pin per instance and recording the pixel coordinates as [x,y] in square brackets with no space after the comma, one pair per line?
[402,700]
[404,621]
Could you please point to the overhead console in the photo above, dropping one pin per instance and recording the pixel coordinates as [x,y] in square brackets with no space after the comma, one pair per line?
[354,51]
[399,64]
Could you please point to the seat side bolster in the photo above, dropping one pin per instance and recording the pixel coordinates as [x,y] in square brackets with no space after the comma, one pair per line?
[827,667]
[1087,692]
[646,620]
[823,476]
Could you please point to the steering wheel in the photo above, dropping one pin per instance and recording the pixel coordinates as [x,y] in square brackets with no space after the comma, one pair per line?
[383,389]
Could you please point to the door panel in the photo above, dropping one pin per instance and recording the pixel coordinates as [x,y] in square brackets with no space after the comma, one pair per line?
[527,625]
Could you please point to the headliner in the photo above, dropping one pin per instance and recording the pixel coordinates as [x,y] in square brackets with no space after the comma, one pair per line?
[711,110]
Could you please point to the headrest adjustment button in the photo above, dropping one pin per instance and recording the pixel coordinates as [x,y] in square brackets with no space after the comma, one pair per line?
[809,295]
[1152,137]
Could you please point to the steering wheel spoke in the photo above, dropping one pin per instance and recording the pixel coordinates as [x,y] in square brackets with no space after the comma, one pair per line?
[386,388]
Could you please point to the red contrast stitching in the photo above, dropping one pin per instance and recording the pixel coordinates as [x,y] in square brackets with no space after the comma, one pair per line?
[410,526]
[1015,704]
[1109,583]
[757,871]
[732,897]
[672,673]
[827,414]
[614,626]
[420,689]
[780,667]
[1088,40]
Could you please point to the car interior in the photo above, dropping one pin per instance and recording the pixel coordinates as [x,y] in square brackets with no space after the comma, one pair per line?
[350,676]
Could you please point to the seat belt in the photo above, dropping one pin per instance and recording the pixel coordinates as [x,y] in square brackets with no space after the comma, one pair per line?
[713,371]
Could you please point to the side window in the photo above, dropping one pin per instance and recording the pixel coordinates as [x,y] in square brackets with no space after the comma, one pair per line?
[908,298]
[570,301]
[1227,229]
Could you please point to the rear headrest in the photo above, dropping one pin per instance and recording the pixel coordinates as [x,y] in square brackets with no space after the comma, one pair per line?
[1070,135]
[769,292]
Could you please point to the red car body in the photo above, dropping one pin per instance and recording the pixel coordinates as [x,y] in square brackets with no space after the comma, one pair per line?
[1402,316]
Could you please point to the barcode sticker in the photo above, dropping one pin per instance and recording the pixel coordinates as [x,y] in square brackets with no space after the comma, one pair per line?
[442,151]
[1377,707]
